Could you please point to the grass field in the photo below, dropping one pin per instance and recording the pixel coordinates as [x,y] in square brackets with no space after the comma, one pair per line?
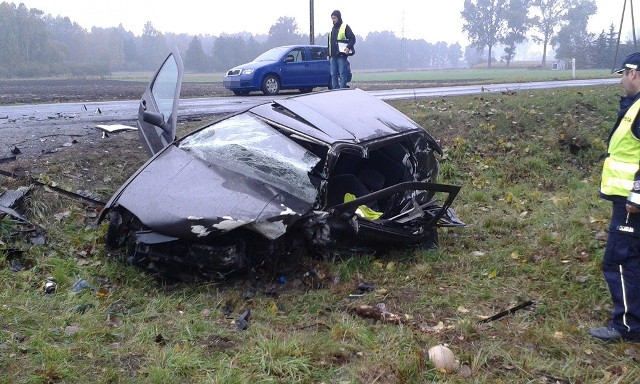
[529,166]
[437,76]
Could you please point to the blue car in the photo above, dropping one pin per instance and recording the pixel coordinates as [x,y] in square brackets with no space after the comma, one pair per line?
[301,67]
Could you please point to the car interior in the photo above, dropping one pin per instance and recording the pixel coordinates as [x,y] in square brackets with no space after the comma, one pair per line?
[361,176]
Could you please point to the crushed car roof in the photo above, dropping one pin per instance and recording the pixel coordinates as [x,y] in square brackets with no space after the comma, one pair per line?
[330,118]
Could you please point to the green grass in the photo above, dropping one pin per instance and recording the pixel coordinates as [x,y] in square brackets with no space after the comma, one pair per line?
[529,165]
[438,76]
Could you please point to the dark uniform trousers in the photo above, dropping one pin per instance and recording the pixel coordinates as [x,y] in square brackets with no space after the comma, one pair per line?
[621,268]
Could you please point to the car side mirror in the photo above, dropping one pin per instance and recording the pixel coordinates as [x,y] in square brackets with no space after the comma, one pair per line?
[289,59]
[156,119]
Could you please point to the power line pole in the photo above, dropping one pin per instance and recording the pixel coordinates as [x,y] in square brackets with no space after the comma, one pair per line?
[633,28]
[312,37]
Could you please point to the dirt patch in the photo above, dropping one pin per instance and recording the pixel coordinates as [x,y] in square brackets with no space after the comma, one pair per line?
[87,90]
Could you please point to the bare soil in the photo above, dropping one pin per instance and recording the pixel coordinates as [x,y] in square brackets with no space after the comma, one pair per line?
[79,90]
[87,90]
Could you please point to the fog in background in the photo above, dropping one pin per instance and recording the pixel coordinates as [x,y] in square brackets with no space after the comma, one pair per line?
[44,37]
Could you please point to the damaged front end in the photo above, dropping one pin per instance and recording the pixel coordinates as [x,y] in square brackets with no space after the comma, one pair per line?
[306,175]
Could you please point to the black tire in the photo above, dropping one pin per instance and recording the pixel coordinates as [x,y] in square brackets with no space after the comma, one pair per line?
[270,85]
[305,90]
[240,93]
[118,231]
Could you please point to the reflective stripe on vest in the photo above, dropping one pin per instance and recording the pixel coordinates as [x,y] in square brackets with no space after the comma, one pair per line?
[621,165]
[342,36]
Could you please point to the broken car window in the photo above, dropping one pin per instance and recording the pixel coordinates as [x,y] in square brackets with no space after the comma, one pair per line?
[247,145]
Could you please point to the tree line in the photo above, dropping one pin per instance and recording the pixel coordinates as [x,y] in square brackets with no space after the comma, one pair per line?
[561,24]
[35,44]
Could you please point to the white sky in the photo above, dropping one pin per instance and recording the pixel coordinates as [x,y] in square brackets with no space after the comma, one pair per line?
[431,20]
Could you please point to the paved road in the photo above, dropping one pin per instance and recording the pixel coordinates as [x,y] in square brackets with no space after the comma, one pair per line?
[39,128]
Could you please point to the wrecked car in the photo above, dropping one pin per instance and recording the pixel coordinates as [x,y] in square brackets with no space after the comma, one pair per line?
[320,174]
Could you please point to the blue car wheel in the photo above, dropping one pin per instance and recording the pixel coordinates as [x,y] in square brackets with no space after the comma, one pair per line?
[270,85]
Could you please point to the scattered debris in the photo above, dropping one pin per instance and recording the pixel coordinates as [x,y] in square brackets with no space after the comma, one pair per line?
[361,290]
[365,287]
[15,266]
[15,150]
[81,308]
[242,323]
[160,339]
[506,312]
[11,199]
[379,312]
[81,284]
[113,128]
[56,189]
[50,286]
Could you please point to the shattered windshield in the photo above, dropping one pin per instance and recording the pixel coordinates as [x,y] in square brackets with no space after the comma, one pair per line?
[247,145]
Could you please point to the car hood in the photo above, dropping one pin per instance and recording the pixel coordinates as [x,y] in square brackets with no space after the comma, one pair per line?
[192,199]
[346,115]
[254,65]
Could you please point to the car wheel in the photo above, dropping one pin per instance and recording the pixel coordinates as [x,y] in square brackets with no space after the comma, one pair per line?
[270,85]
[306,90]
[118,229]
[240,93]
[114,235]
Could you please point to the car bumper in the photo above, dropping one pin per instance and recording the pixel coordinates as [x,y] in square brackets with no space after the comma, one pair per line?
[239,83]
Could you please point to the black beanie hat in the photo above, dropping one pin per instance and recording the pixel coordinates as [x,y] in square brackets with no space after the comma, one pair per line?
[337,14]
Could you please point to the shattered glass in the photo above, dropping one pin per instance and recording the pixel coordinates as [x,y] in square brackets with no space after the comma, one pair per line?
[247,145]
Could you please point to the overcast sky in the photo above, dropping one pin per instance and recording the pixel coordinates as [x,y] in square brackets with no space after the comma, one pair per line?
[431,20]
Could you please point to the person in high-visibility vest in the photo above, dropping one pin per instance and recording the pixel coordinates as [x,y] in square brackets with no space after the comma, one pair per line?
[341,42]
[621,185]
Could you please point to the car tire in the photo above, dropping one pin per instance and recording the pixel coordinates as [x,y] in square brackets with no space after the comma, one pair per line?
[240,93]
[113,237]
[119,228]
[270,85]
[305,90]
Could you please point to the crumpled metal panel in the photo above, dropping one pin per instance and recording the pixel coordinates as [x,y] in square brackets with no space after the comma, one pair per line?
[349,115]
[183,196]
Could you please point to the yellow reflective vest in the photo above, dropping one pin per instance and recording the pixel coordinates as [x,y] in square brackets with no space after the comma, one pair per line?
[341,38]
[623,157]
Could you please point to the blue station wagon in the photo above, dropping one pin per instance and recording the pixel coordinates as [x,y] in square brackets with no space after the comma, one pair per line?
[301,67]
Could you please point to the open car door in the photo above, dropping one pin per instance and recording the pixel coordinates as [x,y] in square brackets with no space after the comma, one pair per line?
[157,114]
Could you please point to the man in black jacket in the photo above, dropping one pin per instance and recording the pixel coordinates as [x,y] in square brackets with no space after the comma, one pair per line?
[341,42]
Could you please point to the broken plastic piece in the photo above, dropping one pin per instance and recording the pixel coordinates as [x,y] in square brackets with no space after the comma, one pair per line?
[112,128]
[81,284]
[242,323]
[50,286]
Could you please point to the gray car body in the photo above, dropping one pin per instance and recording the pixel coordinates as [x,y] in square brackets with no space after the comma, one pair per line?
[266,173]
